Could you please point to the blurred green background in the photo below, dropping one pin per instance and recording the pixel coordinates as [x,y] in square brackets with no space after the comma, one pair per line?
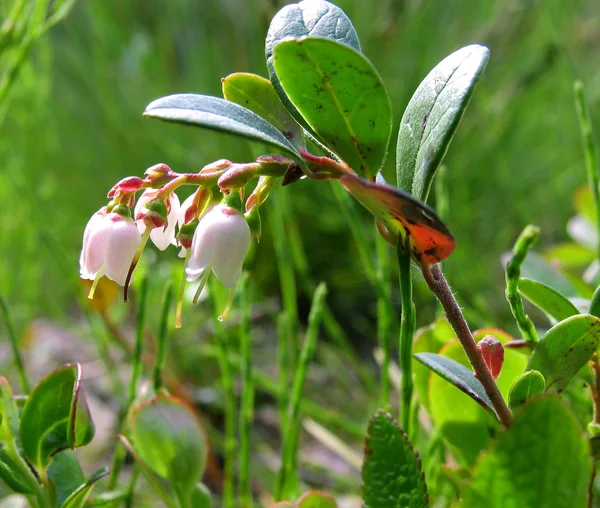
[74,127]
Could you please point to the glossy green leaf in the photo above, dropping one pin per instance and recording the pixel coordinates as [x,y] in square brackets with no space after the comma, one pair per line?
[392,474]
[201,497]
[220,115]
[170,440]
[341,97]
[55,416]
[547,299]
[429,339]
[565,349]
[258,95]
[65,474]
[11,474]
[314,18]
[432,116]
[527,385]
[463,423]
[459,376]
[316,499]
[79,497]
[541,461]
[595,303]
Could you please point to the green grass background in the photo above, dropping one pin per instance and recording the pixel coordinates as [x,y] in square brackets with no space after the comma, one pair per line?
[73,128]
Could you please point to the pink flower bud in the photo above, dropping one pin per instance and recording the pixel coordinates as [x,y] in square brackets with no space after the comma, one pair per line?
[127,185]
[161,214]
[157,171]
[109,244]
[493,354]
[220,244]
[238,175]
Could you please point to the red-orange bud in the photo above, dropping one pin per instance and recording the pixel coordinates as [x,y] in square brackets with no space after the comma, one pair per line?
[493,354]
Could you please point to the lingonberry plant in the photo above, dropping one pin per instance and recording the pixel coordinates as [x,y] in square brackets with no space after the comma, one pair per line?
[497,421]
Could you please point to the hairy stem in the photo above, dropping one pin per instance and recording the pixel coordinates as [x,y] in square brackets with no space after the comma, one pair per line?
[440,288]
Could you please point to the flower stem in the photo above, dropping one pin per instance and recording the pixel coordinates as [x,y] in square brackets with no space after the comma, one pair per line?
[247,404]
[440,288]
[14,344]
[384,319]
[407,332]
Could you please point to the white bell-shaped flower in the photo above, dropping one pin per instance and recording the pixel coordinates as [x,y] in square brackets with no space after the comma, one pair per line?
[161,236]
[110,242]
[221,242]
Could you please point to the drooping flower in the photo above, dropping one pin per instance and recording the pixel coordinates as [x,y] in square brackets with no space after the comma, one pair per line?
[110,242]
[221,242]
[163,232]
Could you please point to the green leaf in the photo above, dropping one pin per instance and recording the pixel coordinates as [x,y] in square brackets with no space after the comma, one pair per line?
[314,18]
[542,460]
[527,385]
[65,474]
[463,423]
[429,339]
[170,440]
[316,499]
[11,474]
[79,497]
[459,376]
[55,416]
[547,299]
[341,97]
[392,475]
[9,415]
[220,115]
[595,303]
[565,349]
[535,267]
[201,497]
[258,95]
[432,116]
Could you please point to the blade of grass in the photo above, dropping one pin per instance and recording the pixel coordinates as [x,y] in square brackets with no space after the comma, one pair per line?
[247,404]
[384,319]
[290,439]
[162,338]
[14,344]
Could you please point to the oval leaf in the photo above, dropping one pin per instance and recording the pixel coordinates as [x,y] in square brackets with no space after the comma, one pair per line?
[392,474]
[402,214]
[314,18]
[459,376]
[55,416]
[547,299]
[201,497]
[316,499]
[340,96]
[258,95]
[432,116]
[169,439]
[554,471]
[527,385]
[220,115]
[429,339]
[565,349]
[79,497]
[9,415]
[65,473]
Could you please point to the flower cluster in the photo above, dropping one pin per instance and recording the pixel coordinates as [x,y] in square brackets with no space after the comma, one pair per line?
[209,228]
